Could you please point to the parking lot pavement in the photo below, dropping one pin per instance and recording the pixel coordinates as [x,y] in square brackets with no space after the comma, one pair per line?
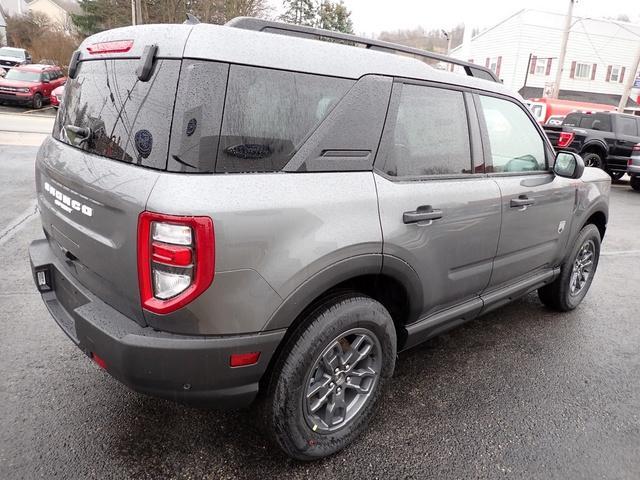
[520,393]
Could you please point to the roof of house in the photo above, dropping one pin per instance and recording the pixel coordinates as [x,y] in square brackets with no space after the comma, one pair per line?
[633,28]
[69,6]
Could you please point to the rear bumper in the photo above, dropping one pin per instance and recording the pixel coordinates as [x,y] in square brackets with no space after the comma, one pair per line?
[633,169]
[188,369]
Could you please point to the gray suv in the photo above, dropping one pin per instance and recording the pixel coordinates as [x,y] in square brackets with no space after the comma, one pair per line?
[247,212]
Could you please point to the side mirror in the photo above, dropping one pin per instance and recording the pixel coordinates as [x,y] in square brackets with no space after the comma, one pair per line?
[568,165]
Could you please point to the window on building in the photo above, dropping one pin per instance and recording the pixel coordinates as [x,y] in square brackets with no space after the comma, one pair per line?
[541,66]
[583,71]
[615,74]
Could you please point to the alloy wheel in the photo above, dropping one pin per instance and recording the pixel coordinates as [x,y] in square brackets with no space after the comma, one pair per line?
[342,380]
[582,267]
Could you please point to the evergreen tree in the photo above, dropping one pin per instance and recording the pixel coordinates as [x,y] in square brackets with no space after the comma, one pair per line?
[300,12]
[335,16]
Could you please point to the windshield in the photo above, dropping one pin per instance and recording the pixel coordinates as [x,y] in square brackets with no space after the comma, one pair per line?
[8,52]
[22,75]
[108,111]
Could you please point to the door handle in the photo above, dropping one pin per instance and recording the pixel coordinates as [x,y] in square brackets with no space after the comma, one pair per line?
[521,201]
[422,214]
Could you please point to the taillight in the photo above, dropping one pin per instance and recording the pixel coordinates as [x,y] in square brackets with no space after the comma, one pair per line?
[636,147]
[565,139]
[118,46]
[176,260]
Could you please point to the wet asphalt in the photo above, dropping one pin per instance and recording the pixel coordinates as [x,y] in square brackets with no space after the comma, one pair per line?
[520,393]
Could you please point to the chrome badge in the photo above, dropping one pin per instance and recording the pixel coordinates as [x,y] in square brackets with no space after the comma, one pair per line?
[66,203]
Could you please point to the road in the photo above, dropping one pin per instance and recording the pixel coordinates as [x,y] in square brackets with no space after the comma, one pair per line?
[520,393]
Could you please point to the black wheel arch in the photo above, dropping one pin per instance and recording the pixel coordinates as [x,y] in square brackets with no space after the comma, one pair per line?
[385,278]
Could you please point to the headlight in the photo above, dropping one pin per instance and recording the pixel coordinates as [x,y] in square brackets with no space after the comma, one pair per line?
[23,89]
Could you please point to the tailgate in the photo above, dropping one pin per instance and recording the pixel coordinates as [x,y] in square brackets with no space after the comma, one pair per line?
[553,133]
[89,207]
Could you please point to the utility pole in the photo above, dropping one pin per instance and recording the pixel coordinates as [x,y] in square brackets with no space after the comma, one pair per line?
[448,36]
[631,78]
[563,49]
[139,12]
[136,12]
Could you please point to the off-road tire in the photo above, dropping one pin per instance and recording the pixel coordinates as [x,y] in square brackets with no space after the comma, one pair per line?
[557,295]
[635,183]
[593,159]
[283,409]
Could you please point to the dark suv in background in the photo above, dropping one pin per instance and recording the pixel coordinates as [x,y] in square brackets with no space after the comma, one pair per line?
[605,140]
[245,212]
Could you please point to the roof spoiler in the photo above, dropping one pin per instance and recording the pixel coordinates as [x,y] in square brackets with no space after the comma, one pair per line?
[256,24]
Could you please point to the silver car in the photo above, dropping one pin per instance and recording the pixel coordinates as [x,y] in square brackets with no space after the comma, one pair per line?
[243,211]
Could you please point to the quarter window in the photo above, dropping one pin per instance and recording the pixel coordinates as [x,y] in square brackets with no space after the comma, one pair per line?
[429,135]
[269,113]
[515,144]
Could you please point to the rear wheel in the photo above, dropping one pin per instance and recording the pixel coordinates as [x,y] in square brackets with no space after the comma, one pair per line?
[592,159]
[325,386]
[37,101]
[576,273]
[635,183]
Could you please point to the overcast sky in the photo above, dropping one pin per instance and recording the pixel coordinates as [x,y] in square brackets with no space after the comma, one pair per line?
[373,16]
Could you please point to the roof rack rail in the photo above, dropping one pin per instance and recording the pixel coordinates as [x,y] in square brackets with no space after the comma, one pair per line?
[257,24]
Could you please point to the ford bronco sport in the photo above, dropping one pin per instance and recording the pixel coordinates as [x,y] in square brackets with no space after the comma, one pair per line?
[246,211]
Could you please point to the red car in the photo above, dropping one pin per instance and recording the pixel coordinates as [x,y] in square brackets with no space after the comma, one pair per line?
[56,96]
[31,84]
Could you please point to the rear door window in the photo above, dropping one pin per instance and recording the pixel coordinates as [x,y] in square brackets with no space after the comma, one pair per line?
[429,134]
[269,113]
[627,126]
[108,111]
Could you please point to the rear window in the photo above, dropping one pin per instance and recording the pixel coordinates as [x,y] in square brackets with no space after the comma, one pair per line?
[108,111]
[596,121]
[269,113]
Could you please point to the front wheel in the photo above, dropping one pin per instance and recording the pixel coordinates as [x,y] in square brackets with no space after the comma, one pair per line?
[592,159]
[635,183]
[36,103]
[325,386]
[576,273]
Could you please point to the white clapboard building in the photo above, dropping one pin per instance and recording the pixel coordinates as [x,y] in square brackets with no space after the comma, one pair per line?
[524,48]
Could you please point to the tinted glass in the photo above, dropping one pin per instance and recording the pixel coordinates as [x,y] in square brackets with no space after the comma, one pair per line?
[596,121]
[109,112]
[269,113]
[516,145]
[196,123]
[430,134]
[627,126]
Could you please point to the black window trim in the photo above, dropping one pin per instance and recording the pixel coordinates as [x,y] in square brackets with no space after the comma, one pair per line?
[475,144]
[549,152]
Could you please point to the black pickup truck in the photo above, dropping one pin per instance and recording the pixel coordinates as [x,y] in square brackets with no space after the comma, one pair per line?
[603,139]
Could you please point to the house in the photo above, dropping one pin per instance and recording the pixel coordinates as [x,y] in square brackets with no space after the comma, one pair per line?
[58,11]
[13,7]
[3,29]
[523,50]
